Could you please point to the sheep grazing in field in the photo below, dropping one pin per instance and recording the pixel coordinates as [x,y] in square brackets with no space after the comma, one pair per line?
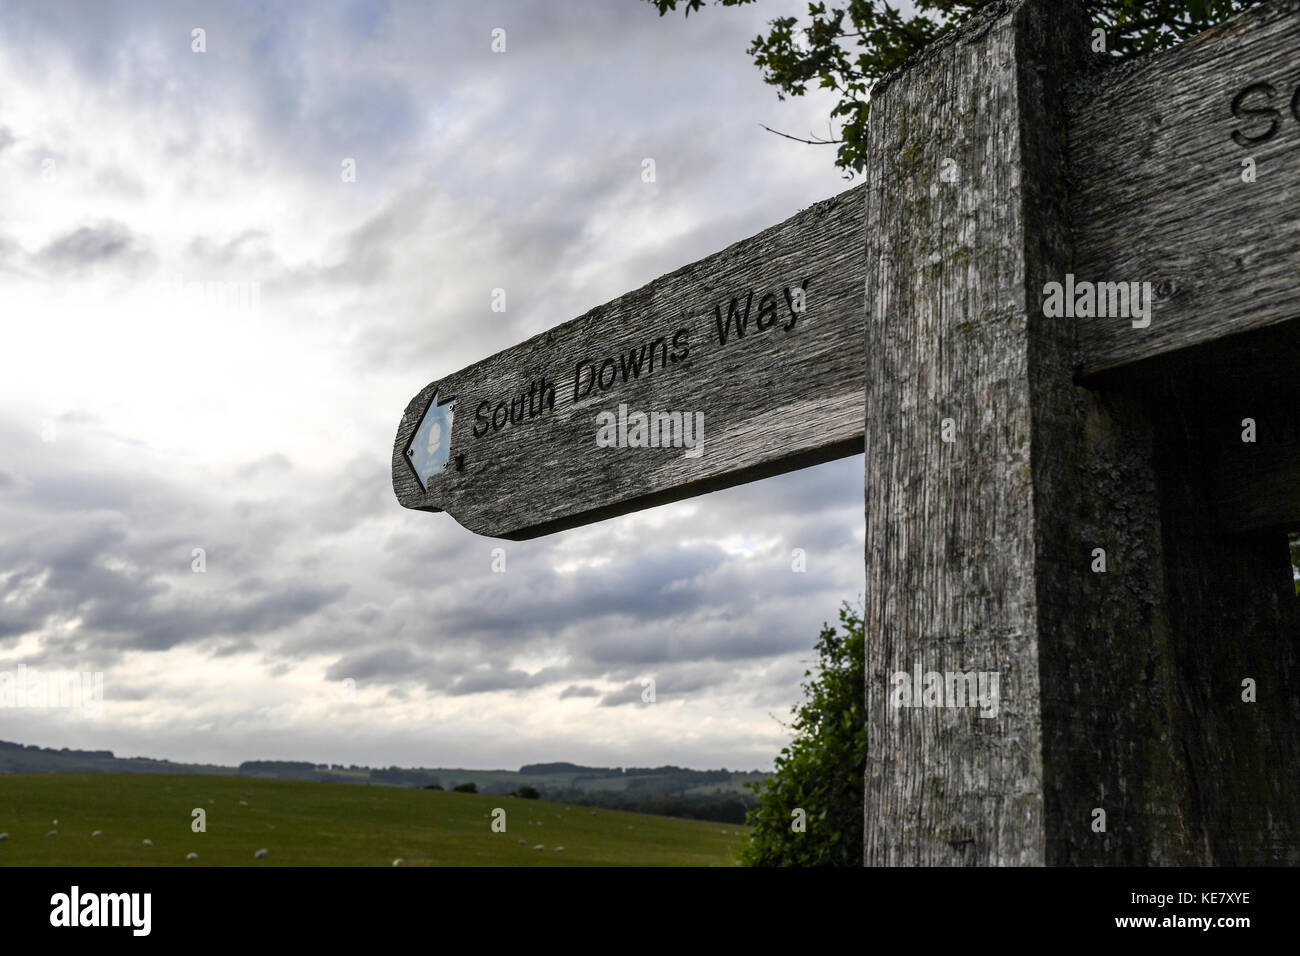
[523,843]
[243,803]
[191,856]
[3,837]
[260,854]
[148,842]
[539,847]
[96,833]
[559,849]
[54,823]
[52,833]
[398,862]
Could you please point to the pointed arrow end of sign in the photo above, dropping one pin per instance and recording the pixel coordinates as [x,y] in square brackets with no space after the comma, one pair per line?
[422,449]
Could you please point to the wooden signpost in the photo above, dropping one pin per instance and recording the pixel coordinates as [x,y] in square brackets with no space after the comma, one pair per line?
[743,365]
[1075,381]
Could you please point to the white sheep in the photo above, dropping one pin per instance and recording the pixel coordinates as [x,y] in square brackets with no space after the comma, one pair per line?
[539,847]
[148,842]
[52,833]
[3,837]
[191,856]
[96,833]
[260,854]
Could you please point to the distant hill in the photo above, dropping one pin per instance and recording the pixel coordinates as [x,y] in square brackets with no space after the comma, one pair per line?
[719,795]
[546,768]
[19,758]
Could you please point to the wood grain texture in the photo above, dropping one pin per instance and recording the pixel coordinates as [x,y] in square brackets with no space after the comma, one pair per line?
[951,527]
[1157,193]
[775,400]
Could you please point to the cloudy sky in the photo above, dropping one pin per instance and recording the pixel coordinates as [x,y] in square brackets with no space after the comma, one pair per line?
[141,420]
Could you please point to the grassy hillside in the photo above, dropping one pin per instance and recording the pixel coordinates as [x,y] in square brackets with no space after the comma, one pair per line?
[667,791]
[321,824]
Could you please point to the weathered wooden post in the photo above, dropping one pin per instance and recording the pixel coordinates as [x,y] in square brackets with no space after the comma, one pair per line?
[1058,540]
[1081,633]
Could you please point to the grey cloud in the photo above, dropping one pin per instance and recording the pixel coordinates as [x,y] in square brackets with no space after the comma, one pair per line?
[365,491]
[121,182]
[129,582]
[482,681]
[273,464]
[86,247]
[383,663]
[247,254]
[630,694]
[231,648]
[115,691]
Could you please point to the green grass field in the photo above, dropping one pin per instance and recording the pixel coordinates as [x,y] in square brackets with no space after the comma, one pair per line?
[322,824]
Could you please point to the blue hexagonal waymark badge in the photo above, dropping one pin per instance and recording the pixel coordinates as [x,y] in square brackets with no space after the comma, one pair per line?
[430,448]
